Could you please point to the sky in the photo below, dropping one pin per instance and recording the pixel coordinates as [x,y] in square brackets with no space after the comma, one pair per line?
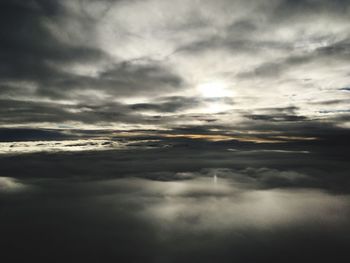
[174,131]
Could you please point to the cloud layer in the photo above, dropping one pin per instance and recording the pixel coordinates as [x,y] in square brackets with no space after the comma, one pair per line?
[193,217]
[142,64]
[174,131]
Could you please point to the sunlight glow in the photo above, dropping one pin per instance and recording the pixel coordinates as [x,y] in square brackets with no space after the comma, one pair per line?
[213,89]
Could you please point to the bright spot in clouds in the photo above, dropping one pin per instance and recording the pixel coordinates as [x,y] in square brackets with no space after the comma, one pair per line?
[8,185]
[214,93]
[214,89]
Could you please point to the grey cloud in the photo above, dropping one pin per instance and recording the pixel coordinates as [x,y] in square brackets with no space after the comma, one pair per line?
[277,117]
[341,49]
[242,35]
[288,9]
[167,104]
[243,27]
[338,51]
[331,102]
[21,112]
[124,79]
[233,45]
[28,49]
[11,135]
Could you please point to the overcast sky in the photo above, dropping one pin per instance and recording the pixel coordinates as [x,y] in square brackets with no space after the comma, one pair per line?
[275,66]
[165,131]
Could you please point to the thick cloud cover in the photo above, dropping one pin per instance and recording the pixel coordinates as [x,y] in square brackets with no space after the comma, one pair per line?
[174,131]
[204,216]
[174,199]
[163,64]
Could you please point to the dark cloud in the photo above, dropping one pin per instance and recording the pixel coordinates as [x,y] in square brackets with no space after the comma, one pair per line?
[124,79]
[28,49]
[331,102]
[288,9]
[159,153]
[338,51]
[24,112]
[277,117]
[10,135]
[167,104]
